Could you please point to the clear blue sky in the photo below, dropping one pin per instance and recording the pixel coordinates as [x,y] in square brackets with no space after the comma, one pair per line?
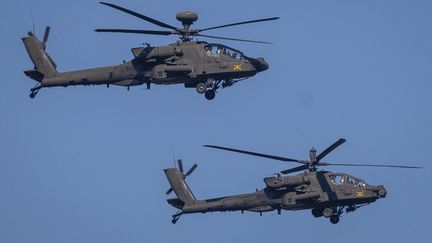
[84,164]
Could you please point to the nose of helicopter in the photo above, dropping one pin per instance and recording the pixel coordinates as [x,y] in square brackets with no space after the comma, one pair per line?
[381,191]
[261,64]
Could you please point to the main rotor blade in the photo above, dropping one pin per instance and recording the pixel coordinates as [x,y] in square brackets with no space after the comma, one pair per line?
[256,154]
[149,32]
[239,23]
[180,164]
[370,165]
[295,169]
[191,170]
[329,149]
[233,39]
[143,17]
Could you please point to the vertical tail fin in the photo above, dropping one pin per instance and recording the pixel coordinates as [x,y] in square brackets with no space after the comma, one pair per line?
[177,181]
[44,65]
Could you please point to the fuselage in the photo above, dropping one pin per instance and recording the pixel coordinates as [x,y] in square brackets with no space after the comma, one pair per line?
[308,190]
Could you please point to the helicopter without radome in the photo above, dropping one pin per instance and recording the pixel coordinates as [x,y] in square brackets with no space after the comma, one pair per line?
[327,194]
[204,66]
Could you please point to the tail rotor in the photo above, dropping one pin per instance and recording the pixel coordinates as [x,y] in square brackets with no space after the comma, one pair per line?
[176,178]
[188,173]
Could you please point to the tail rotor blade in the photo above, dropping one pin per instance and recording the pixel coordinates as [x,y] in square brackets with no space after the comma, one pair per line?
[180,165]
[46,34]
[169,191]
[191,170]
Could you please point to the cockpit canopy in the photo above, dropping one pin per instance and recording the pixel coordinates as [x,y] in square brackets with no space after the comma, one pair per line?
[217,50]
[344,179]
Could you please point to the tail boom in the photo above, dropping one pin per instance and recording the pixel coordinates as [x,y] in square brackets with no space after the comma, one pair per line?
[123,74]
[46,74]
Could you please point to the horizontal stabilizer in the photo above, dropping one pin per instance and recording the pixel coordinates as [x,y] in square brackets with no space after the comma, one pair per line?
[34,74]
[175,202]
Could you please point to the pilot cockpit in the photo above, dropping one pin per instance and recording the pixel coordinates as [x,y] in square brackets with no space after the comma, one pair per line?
[219,50]
[342,179]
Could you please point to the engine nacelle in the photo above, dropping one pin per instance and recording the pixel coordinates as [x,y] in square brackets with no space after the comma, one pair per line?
[286,181]
[163,52]
[158,53]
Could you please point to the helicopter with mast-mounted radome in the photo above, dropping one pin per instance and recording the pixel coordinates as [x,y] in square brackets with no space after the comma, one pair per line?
[327,194]
[207,67]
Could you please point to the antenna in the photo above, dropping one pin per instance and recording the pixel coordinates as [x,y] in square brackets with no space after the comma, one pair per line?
[174,156]
[32,17]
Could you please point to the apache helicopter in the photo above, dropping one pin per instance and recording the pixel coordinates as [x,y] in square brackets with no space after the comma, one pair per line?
[326,193]
[197,64]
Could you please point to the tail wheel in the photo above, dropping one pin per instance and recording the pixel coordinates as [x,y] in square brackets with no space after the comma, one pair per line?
[35,90]
[176,217]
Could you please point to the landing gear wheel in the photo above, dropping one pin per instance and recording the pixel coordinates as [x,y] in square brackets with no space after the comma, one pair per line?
[334,219]
[328,212]
[176,217]
[210,94]
[201,88]
[32,95]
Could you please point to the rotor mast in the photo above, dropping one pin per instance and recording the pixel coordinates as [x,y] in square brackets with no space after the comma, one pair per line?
[312,159]
[187,18]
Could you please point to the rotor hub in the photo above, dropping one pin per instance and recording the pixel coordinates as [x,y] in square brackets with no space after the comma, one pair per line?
[313,155]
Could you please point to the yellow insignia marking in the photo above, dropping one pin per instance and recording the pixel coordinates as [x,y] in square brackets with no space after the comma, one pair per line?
[360,194]
[237,67]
